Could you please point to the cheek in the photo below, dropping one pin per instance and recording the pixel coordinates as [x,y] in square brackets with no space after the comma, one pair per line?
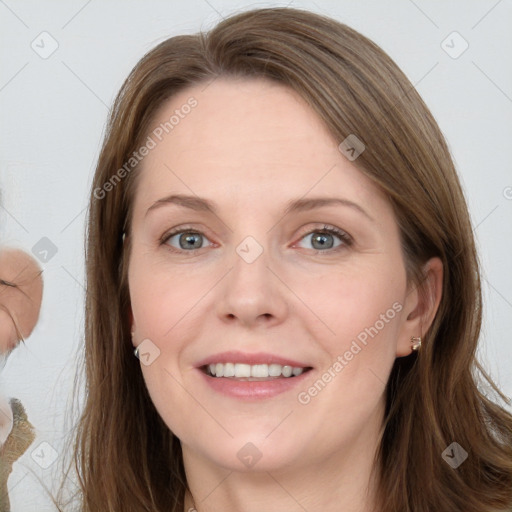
[364,315]
[162,298]
[360,312]
[161,307]
[357,304]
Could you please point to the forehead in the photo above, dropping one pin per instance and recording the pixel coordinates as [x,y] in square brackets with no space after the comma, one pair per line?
[251,137]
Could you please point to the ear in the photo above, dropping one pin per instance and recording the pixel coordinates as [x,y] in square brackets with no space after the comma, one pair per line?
[421,305]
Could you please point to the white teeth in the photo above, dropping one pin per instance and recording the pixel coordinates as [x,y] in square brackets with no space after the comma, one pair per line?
[229,370]
[287,371]
[262,371]
[274,370]
[242,370]
[259,370]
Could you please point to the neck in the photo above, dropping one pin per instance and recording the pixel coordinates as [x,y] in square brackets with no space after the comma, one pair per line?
[343,481]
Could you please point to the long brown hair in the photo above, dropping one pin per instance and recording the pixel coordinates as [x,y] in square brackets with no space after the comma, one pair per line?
[126,457]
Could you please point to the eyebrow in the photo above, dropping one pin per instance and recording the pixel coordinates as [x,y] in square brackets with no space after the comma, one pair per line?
[299,205]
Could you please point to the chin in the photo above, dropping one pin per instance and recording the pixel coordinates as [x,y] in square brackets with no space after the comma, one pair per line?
[254,451]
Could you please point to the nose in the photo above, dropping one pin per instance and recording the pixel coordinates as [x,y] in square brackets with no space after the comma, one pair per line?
[251,294]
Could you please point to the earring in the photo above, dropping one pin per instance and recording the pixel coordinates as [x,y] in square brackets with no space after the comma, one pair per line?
[136,351]
[416,343]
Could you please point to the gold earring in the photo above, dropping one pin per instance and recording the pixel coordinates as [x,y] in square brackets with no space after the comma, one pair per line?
[416,343]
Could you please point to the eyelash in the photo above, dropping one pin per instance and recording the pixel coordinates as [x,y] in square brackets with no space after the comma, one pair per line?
[345,238]
[331,230]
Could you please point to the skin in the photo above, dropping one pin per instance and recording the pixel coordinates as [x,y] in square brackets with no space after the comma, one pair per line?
[6,419]
[20,302]
[251,146]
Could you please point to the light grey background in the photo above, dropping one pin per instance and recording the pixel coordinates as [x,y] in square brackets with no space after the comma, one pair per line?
[53,112]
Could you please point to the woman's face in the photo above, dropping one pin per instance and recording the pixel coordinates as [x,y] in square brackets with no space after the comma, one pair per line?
[256,284]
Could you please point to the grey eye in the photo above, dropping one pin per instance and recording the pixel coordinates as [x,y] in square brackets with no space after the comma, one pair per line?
[187,240]
[322,241]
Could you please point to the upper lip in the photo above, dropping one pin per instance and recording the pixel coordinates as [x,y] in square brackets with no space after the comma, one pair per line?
[247,358]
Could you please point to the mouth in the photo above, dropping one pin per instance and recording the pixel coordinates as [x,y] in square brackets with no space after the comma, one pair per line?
[252,376]
[253,372]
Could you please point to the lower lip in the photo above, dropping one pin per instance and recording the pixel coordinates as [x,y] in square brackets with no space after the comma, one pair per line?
[253,390]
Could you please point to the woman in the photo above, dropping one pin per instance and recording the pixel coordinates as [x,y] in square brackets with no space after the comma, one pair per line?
[276,226]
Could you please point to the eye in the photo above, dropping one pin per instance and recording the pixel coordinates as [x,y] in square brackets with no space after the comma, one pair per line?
[324,239]
[185,240]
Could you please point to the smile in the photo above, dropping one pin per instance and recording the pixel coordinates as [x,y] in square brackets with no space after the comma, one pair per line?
[252,376]
[253,372]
